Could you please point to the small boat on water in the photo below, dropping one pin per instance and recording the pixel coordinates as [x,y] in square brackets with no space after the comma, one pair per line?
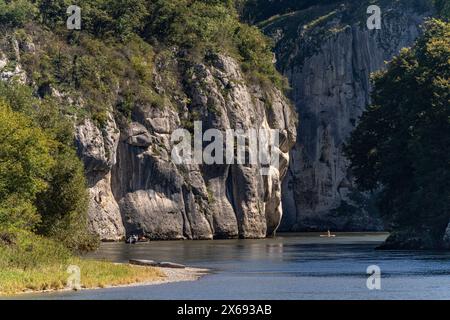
[328,235]
[133,239]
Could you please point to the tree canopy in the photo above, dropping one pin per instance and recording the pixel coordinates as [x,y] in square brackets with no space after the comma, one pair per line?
[24,164]
[42,184]
[402,142]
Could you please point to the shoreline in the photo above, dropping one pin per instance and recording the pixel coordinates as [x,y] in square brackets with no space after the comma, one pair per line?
[172,275]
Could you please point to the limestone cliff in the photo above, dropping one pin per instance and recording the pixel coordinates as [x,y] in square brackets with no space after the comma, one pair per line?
[137,189]
[328,53]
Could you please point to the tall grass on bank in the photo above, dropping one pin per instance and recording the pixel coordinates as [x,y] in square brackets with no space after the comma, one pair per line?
[33,263]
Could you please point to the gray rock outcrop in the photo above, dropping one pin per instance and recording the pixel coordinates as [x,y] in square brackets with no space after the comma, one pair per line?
[97,149]
[135,184]
[328,60]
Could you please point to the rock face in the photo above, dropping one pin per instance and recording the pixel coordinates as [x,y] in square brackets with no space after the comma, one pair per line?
[136,188]
[328,60]
[97,148]
[10,58]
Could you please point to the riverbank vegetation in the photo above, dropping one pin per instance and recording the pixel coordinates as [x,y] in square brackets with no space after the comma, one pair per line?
[30,262]
[43,203]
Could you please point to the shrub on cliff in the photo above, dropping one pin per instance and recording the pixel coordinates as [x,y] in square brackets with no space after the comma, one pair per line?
[213,25]
[402,142]
[16,13]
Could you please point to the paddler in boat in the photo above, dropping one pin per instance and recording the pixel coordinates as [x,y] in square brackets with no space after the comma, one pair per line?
[328,235]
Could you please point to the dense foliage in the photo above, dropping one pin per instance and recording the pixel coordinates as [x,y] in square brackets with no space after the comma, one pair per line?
[443,8]
[42,186]
[16,13]
[402,143]
[24,163]
[110,61]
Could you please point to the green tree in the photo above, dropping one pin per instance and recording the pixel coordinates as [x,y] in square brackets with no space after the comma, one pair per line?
[16,13]
[63,205]
[58,208]
[53,12]
[204,26]
[24,164]
[402,142]
[443,8]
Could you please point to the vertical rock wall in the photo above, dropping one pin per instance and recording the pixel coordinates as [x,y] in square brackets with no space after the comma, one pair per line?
[328,53]
[136,187]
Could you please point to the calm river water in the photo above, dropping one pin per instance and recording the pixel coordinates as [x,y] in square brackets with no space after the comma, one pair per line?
[290,266]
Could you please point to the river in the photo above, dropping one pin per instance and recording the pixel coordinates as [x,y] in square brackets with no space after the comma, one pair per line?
[290,266]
